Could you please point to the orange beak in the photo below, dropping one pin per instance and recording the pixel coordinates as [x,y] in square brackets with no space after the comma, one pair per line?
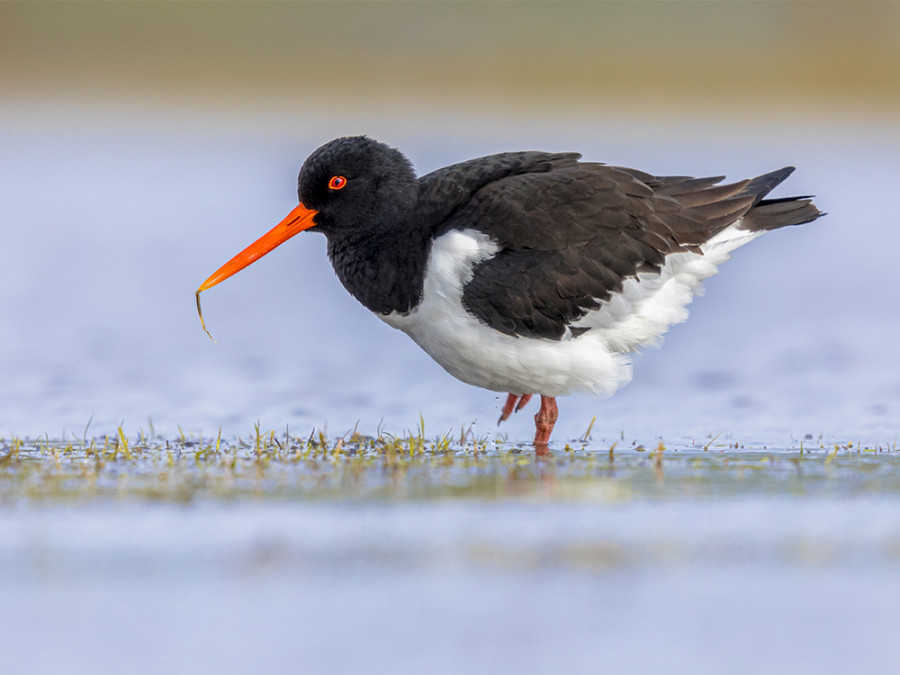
[301,218]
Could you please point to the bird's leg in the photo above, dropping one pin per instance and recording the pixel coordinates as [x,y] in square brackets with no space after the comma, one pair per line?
[510,406]
[544,420]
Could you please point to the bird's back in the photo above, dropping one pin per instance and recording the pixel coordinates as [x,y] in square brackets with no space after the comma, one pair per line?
[569,234]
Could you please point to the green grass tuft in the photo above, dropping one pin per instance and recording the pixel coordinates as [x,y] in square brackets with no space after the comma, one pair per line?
[116,467]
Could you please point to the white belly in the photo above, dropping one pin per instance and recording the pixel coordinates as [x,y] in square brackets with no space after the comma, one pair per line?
[594,363]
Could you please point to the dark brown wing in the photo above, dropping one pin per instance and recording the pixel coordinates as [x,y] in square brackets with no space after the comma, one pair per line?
[444,191]
[570,236]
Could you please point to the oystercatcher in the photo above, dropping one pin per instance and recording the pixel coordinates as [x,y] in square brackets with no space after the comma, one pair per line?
[523,272]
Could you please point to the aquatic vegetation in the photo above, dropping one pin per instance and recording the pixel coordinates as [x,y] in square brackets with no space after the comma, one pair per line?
[280,466]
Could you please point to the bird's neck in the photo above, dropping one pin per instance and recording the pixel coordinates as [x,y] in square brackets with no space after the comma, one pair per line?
[384,271]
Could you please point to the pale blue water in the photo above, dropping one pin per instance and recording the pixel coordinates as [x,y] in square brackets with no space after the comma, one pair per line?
[110,223]
[112,218]
[760,585]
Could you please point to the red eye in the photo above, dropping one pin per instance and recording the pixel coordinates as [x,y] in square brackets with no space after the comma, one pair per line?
[337,182]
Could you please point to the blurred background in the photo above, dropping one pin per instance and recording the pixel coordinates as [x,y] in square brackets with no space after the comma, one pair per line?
[143,144]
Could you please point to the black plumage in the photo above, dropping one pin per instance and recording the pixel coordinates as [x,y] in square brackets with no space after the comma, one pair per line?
[569,232]
[572,235]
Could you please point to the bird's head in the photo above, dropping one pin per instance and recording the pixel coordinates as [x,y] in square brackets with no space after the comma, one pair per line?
[351,184]
[357,183]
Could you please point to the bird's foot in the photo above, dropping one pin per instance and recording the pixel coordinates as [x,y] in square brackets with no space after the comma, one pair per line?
[513,404]
[544,421]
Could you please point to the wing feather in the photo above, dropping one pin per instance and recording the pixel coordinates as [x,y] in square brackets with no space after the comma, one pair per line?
[571,233]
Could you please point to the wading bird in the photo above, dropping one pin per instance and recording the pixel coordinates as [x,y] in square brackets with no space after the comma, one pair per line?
[523,272]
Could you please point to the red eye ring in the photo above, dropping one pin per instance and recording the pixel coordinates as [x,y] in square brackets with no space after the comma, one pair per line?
[337,183]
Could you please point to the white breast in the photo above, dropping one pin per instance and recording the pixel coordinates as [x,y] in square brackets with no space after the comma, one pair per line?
[593,363]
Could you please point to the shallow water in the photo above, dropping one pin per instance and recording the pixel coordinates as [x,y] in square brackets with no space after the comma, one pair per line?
[771,551]
[269,467]
[261,556]
[764,584]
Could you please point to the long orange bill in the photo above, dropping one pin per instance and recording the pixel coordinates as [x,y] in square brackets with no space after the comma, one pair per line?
[301,218]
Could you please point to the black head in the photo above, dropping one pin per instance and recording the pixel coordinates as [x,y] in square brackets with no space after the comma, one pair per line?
[349,187]
[357,183]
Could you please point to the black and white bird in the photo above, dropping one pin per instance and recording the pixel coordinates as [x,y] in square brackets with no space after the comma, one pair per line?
[523,272]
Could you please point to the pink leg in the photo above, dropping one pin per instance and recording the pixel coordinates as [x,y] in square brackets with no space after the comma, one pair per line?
[510,406]
[544,420]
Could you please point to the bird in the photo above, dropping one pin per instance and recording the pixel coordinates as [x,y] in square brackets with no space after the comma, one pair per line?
[526,273]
